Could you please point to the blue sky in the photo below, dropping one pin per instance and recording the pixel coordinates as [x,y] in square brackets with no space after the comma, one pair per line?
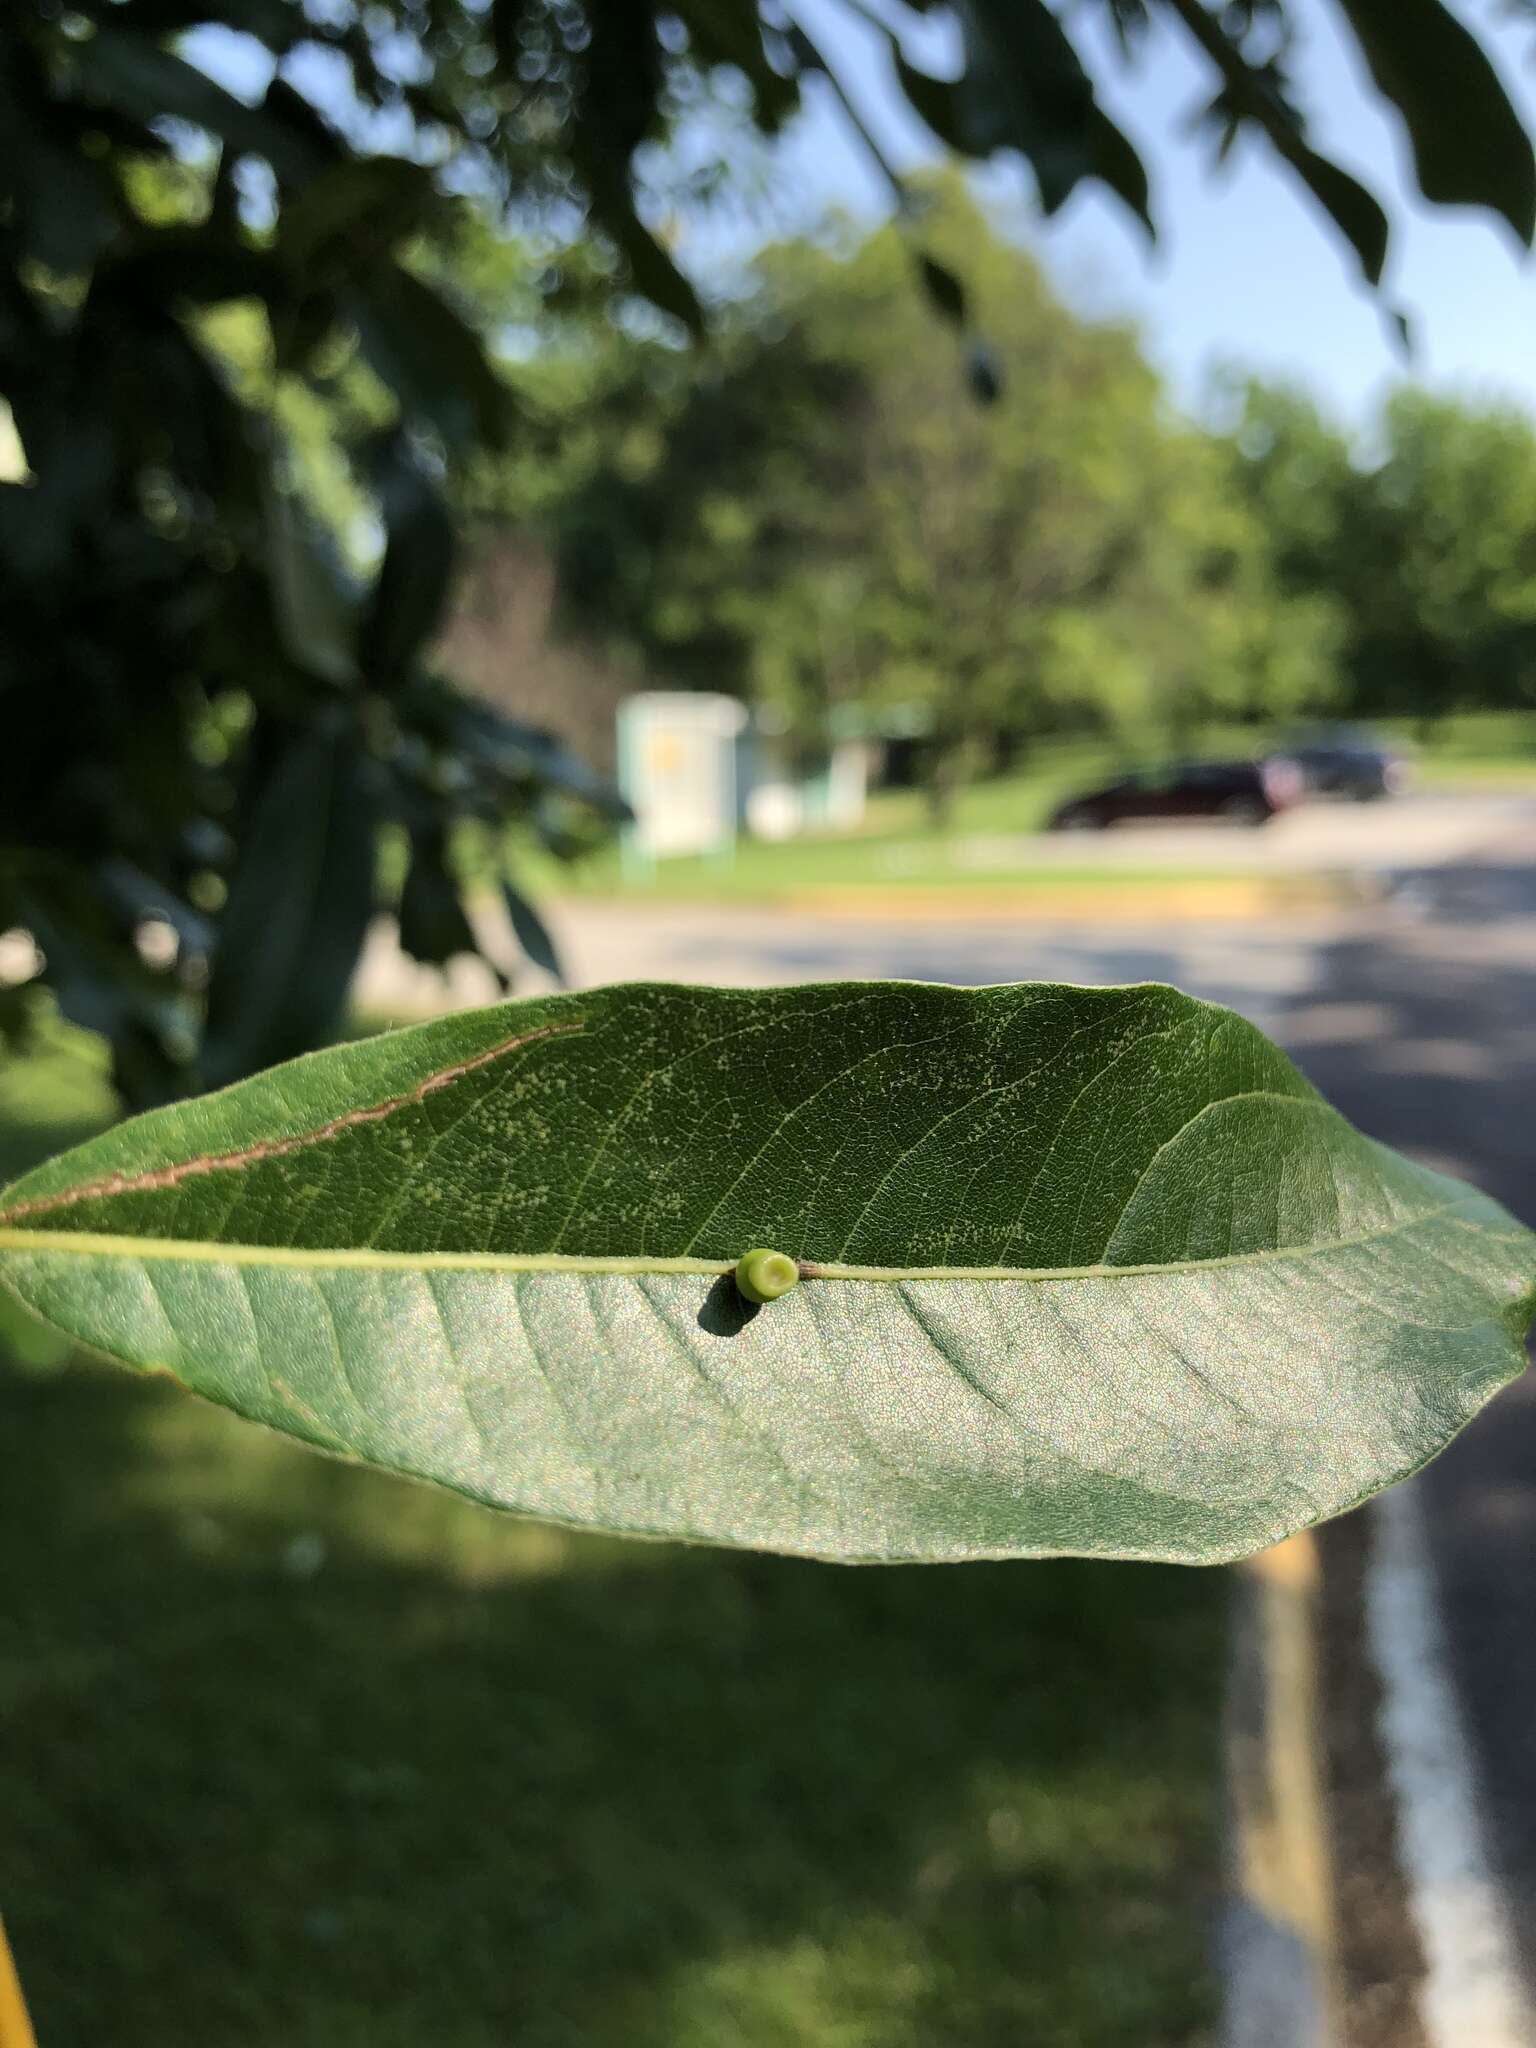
[1246,271]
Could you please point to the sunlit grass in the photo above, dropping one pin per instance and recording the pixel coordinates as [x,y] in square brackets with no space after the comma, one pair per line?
[296,1752]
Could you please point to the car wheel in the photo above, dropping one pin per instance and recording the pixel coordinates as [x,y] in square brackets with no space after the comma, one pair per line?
[1246,810]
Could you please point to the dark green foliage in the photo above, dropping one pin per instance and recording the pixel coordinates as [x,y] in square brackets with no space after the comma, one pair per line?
[1258,94]
[300,897]
[1426,555]
[531,932]
[1024,88]
[1469,147]
[433,925]
[182,264]
[204,704]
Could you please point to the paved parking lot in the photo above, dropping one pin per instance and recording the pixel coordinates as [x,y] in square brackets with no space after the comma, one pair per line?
[1409,831]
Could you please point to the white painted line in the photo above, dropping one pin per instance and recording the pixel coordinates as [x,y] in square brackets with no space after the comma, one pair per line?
[1473,1991]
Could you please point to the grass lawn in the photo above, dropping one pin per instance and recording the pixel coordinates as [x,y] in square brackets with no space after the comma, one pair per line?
[1453,773]
[296,1753]
[897,848]
[799,870]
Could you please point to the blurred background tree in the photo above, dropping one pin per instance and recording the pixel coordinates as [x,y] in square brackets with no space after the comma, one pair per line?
[1424,550]
[253,344]
[823,518]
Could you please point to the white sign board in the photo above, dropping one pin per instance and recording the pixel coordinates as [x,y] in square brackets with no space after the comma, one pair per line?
[677,768]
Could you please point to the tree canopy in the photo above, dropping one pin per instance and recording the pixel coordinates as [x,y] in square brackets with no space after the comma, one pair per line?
[1425,549]
[818,517]
[823,519]
[212,702]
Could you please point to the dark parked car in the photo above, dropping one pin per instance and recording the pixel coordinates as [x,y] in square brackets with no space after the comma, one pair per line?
[1348,761]
[1246,792]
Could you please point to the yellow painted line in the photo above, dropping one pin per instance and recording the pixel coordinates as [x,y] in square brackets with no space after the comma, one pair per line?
[15,2027]
[1282,1865]
[1286,1860]
[1108,902]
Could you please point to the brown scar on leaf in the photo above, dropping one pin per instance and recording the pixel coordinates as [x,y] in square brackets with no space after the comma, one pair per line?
[277,1148]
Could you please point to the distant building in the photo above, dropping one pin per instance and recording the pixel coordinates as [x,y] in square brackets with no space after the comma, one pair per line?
[680,762]
[784,794]
[698,768]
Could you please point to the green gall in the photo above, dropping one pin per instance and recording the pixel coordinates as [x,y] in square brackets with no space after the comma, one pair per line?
[764,1275]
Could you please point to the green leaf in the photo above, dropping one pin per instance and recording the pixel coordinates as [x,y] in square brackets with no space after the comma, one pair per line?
[531,932]
[196,265]
[1024,88]
[1470,147]
[1354,211]
[525,757]
[134,74]
[654,275]
[411,590]
[1256,94]
[1115,163]
[1090,1271]
[431,358]
[314,602]
[433,926]
[298,908]
[354,213]
[946,294]
[144,1014]
[64,207]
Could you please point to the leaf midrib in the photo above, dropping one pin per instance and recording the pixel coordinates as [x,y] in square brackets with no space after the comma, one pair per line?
[82,1243]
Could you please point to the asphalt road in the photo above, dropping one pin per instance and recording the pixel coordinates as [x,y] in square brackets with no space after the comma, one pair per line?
[1423,1031]
[1363,838]
[1416,1016]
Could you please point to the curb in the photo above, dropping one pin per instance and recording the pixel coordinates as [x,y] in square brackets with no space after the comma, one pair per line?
[1218,899]
[1473,1988]
[15,2027]
[1278,1942]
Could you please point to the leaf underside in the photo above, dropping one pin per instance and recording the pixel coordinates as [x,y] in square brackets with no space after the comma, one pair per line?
[1086,1271]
